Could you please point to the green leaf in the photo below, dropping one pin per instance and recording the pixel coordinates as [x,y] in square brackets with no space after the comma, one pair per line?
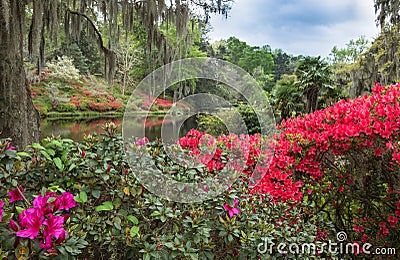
[96,193]
[56,143]
[45,154]
[11,153]
[117,223]
[69,249]
[51,199]
[51,151]
[133,219]
[24,154]
[71,167]
[106,206]
[62,251]
[83,196]
[37,146]
[117,202]
[193,256]
[58,163]
[134,231]
[19,209]
[155,214]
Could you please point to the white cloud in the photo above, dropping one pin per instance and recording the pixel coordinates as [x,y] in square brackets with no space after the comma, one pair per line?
[308,27]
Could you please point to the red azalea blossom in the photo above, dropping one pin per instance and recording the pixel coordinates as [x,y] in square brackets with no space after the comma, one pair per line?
[392,221]
[359,229]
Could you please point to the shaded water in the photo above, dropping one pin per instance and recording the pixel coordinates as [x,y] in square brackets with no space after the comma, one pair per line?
[77,128]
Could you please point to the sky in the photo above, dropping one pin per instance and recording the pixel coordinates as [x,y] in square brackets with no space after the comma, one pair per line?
[307,27]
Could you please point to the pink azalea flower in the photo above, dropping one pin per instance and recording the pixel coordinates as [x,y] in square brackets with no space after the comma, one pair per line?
[30,221]
[15,195]
[40,203]
[142,141]
[54,229]
[232,210]
[66,201]
[9,147]
[1,210]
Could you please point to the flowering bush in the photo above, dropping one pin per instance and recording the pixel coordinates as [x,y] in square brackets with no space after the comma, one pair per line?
[37,230]
[63,68]
[333,170]
[119,219]
[347,159]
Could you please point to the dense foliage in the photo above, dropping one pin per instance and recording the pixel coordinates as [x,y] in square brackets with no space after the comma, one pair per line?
[115,217]
[333,170]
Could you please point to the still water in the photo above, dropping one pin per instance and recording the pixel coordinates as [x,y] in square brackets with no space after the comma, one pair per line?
[76,129]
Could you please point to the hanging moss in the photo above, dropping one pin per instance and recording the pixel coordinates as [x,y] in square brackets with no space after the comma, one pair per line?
[381,63]
[79,15]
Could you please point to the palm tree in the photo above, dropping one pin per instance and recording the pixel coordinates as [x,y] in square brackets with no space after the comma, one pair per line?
[286,96]
[313,74]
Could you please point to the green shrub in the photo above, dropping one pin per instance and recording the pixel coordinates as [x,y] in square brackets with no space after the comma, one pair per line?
[215,126]
[211,125]
[116,218]
[66,107]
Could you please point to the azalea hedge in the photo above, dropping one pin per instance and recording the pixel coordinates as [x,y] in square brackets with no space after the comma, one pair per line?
[334,170]
[112,216]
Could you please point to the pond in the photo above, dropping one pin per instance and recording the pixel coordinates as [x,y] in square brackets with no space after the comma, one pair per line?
[77,128]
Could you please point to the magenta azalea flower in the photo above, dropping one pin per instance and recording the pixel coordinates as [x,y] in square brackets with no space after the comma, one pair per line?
[142,141]
[66,201]
[15,195]
[54,230]
[40,203]
[232,210]
[9,147]
[1,210]
[30,221]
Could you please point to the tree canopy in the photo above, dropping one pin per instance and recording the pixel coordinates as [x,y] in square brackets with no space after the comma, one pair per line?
[104,23]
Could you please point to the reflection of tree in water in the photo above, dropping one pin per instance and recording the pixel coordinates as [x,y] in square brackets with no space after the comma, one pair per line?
[75,129]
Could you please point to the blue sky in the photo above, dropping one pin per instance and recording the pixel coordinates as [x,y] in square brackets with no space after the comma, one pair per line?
[308,27]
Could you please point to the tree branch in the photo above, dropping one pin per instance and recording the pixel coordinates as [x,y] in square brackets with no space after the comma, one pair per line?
[100,38]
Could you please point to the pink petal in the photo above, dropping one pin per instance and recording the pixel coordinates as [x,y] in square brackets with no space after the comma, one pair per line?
[227,207]
[30,233]
[236,211]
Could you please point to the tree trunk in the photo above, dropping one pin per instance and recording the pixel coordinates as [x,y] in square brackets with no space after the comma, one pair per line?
[18,117]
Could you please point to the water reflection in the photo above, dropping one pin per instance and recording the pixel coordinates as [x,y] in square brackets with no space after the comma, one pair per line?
[76,129]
